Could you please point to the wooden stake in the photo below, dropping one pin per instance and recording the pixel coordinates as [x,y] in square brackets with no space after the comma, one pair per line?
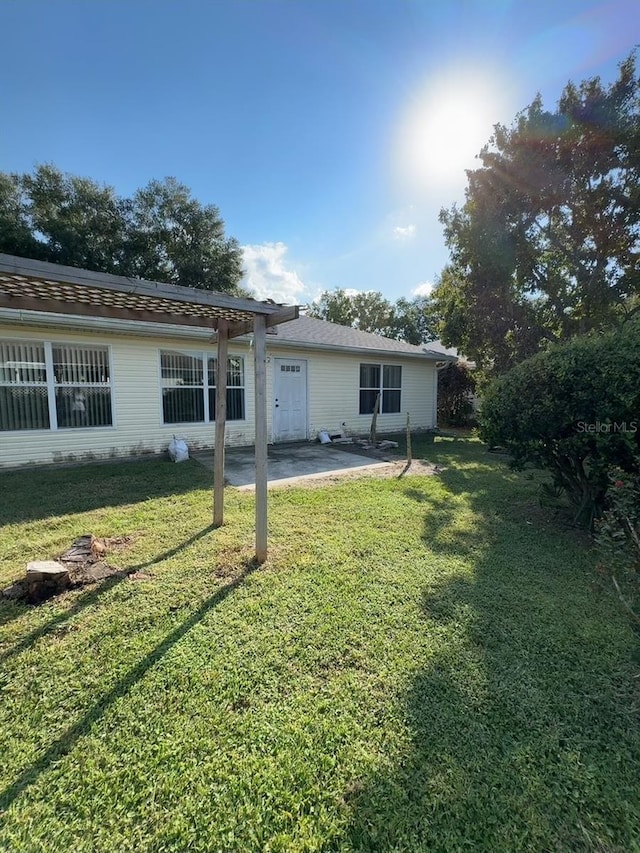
[373,438]
[409,451]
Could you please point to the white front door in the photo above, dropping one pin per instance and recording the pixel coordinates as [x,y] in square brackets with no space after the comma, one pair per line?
[290,403]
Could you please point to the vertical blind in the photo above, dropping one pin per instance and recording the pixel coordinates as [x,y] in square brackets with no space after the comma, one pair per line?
[23,387]
[82,386]
[77,380]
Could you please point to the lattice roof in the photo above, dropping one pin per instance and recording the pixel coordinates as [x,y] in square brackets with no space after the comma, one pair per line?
[29,284]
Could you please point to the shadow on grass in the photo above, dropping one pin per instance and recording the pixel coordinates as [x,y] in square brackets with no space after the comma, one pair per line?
[523,730]
[48,492]
[68,740]
[89,598]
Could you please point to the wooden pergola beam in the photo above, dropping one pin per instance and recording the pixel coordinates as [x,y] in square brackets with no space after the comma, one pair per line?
[51,306]
[283,315]
[48,272]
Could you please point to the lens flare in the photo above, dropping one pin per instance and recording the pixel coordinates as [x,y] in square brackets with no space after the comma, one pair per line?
[444,128]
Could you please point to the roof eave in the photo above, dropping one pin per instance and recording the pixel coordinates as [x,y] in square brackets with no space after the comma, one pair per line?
[383,353]
[176,330]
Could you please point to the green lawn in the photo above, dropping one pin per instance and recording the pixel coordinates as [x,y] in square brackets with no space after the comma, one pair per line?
[421,664]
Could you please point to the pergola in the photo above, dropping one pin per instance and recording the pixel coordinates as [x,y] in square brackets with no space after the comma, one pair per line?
[38,286]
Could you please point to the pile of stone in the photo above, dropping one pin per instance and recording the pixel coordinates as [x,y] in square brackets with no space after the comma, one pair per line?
[377,445]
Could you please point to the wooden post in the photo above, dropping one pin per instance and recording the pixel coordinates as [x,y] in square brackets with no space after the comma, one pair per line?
[409,450]
[373,434]
[260,356]
[221,420]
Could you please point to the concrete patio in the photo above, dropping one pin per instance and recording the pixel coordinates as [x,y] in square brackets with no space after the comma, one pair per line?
[290,462]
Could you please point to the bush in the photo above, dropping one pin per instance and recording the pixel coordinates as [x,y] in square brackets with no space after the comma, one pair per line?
[456,386]
[574,410]
[618,536]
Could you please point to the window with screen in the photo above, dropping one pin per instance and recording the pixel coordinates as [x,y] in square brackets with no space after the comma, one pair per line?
[82,386]
[45,385]
[182,387]
[188,398]
[24,391]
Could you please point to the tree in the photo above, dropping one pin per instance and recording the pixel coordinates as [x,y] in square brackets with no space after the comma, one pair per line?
[76,221]
[574,410]
[412,321]
[162,233]
[172,237]
[546,245]
[368,311]
[415,320]
[16,237]
[456,387]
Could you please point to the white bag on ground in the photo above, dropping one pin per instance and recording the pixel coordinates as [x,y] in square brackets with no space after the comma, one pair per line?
[178,450]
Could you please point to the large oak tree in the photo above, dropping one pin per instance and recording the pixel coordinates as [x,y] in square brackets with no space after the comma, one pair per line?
[162,233]
[547,243]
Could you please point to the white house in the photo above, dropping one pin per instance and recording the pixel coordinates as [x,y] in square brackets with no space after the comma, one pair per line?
[85,386]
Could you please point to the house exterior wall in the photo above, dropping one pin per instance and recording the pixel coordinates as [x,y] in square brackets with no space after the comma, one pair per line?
[334,391]
[138,429]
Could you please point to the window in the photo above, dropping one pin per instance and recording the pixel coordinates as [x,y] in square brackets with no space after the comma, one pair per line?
[235,388]
[186,398]
[82,387]
[182,387]
[54,386]
[384,379]
[23,387]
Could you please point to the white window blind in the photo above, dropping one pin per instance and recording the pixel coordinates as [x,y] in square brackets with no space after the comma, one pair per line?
[54,386]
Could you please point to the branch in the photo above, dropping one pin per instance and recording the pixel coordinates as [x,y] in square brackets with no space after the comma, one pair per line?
[625,603]
[632,531]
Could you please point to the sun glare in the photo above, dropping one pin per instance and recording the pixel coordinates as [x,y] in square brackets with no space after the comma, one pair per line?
[443,130]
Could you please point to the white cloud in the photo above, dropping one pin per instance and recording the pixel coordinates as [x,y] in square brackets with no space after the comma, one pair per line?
[423,289]
[406,232]
[268,276]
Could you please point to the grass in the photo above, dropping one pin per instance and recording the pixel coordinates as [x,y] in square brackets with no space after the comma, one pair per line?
[421,664]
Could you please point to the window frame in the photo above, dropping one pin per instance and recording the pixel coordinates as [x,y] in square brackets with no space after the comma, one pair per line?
[194,354]
[208,416]
[210,387]
[82,386]
[51,385]
[381,367]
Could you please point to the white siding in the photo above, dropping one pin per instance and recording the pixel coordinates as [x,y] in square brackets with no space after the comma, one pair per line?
[137,405]
[334,391]
[333,398]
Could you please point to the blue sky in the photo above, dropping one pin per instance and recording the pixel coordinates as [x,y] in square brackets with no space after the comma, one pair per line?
[328,132]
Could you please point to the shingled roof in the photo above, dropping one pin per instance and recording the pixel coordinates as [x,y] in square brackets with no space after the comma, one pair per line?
[319,334]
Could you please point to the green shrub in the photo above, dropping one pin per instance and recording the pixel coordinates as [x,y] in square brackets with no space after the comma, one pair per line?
[574,410]
[618,536]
